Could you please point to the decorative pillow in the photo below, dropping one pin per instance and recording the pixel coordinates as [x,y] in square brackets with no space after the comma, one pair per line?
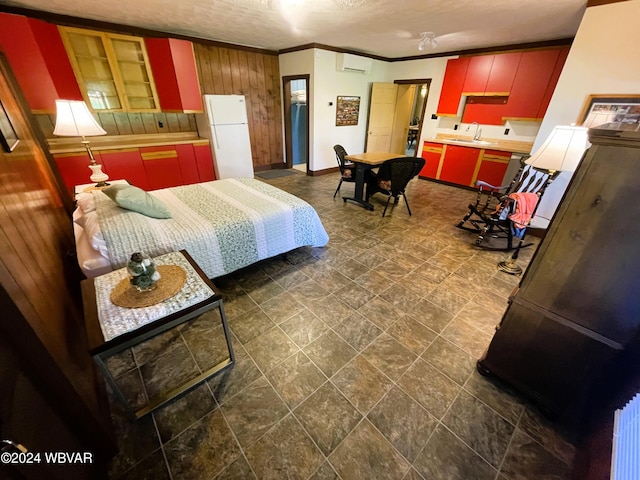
[85,202]
[137,200]
[91,226]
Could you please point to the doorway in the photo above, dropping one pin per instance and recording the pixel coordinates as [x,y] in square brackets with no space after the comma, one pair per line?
[296,121]
[396,114]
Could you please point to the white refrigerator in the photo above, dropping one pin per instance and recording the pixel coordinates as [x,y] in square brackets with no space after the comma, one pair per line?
[225,125]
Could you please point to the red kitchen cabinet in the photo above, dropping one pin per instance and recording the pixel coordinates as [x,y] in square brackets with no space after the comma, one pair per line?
[493,167]
[74,168]
[162,166]
[188,163]
[530,84]
[175,74]
[503,73]
[204,160]
[452,84]
[551,86]
[475,81]
[459,164]
[124,164]
[432,153]
[39,61]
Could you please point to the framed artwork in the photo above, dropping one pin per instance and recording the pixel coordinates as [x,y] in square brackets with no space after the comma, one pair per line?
[8,137]
[347,111]
[611,111]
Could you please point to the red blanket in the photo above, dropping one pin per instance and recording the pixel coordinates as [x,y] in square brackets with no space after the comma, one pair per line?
[525,206]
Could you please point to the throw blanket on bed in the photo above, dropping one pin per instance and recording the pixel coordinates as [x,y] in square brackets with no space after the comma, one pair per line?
[224,225]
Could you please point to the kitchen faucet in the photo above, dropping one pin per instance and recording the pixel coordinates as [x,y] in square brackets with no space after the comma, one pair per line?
[478,132]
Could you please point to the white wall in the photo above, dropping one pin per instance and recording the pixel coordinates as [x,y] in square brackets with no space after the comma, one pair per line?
[325,84]
[603,60]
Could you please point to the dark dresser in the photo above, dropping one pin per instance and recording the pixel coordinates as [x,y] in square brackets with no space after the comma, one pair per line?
[570,326]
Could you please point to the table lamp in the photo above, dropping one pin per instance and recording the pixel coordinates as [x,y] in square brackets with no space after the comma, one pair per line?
[561,152]
[73,119]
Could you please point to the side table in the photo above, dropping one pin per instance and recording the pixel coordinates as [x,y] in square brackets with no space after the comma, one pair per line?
[112,329]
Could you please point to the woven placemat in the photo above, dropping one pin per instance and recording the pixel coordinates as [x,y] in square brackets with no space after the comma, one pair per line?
[172,278]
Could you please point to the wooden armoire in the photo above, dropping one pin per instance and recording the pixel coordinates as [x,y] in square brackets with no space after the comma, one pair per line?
[570,328]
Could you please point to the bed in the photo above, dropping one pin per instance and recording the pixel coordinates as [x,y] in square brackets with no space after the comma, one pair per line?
[224,225]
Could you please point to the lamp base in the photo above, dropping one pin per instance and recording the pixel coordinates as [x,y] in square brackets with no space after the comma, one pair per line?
[98,175]
[510,266]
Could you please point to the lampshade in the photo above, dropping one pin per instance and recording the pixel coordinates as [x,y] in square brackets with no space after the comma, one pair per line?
[73,119]
[563,149]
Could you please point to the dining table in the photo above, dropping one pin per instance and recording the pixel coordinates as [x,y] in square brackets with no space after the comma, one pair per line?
[363,162]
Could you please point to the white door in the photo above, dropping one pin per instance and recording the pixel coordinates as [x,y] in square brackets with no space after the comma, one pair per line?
[381,114]
[402,119]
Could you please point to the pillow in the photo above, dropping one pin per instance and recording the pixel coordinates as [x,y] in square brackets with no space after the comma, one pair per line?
[137,200]
[85,202]
[91,226]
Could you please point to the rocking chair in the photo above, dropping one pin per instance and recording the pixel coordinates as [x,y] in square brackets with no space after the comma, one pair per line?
[490,216]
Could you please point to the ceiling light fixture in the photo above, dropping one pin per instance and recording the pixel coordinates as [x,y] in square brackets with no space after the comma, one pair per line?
[427,38]
[350,3]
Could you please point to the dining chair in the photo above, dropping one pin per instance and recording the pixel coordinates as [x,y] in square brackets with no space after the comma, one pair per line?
[392,179]
[347,170]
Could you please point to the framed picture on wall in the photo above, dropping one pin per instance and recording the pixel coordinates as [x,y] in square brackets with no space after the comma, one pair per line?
[347,111]
[621,112]
[8,137]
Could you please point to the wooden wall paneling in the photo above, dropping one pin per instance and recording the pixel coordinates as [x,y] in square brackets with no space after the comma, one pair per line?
[149,123]
[245,81]
[108,122]
[122,123]
[172,122]
[275,112]
[236,72]
[225,66]
[217,87]
[184,123]
[203,64]
[35,238]
[254,96]
[264,153]
[137,126]
[161,122]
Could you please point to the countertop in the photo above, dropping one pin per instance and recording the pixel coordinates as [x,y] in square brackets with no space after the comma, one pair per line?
[513,146]
[62,145]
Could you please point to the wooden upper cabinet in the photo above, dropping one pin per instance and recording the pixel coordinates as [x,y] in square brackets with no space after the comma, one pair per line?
[477,76]
[174,70]
[530,84]
[503,73]
[38,60]
[454,79]
[112,70]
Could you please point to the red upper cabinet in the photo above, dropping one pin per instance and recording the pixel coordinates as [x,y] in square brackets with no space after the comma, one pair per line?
[174,71]
[477,76]
[530,84]
[503,72]
[38,60]
[454,78]
[562,57]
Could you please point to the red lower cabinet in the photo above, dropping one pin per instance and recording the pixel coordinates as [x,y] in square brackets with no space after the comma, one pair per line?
[204,160]
[188,164]
[124,164]
[431,152]
[162,166]
[493,166]
[459,165]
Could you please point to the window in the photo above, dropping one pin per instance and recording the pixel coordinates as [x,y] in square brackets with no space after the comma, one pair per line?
[112,70]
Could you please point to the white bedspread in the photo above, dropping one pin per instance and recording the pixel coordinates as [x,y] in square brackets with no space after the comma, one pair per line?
[224,225]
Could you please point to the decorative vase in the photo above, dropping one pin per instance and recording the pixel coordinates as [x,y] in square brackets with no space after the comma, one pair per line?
[142,272]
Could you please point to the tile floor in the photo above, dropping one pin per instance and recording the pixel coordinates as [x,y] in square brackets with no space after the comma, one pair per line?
[354,361]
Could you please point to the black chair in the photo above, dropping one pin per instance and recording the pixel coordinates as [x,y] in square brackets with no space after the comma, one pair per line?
[392,179]
[347,170]
[489,216]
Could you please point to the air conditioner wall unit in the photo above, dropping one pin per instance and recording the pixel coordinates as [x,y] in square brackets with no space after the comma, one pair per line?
[346,62]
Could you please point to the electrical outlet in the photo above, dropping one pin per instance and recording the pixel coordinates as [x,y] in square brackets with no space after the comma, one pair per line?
[434,116]
[160,125]
[455,127]
[506,131]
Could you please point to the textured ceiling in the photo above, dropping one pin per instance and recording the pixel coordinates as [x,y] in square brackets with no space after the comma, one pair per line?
[388,28]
